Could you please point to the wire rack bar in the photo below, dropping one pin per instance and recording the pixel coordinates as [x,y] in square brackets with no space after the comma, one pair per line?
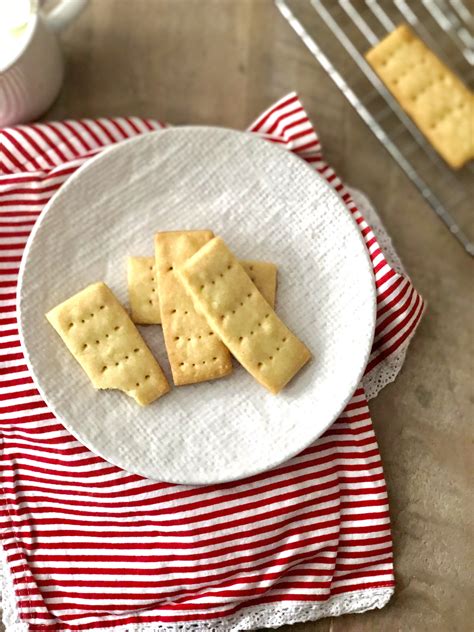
[462,11]
[380,14]
[359,21]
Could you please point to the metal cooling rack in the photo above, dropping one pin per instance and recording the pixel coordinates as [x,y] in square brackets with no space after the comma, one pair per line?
[354,26]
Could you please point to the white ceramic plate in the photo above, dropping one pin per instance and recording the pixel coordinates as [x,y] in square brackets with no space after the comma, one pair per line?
[267,204]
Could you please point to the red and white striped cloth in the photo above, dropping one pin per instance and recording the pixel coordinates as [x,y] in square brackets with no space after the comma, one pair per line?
[89,546]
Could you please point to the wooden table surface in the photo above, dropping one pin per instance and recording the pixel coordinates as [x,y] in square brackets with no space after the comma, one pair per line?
[221,62]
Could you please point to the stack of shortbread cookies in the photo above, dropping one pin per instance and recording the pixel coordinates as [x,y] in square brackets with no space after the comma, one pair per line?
[210,305]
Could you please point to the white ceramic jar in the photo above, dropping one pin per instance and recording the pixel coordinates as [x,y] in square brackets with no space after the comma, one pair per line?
[31,63]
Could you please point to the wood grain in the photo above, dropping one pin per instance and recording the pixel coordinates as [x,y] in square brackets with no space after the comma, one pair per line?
[221,62]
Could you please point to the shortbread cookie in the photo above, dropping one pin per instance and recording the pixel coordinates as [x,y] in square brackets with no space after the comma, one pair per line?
[194,351]
[142,291]
[244,321]
[435,98]
[263,275]
[102,338]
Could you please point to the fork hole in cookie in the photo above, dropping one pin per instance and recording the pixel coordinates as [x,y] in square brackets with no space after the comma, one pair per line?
[147,377]
[267,315]
[84,346]
[260,364]
[170,268]
[116,328]
[102,307]
[136,350]
[173,311]
[214,358]
[97,342]
[137,384]
[211,333]
[104,368]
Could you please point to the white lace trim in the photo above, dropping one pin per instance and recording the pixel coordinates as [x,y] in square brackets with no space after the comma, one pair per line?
[387,371]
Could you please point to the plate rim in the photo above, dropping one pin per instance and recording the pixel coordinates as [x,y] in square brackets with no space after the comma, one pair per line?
[119,146]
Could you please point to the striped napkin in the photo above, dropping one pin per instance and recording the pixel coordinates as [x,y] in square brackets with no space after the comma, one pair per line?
[88,546]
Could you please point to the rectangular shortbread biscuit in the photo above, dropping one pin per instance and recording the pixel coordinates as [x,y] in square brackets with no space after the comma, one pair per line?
[144,298]
[194,351]
[142,291]
[100,335]
[264,275]
[435,98]
[241,317]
